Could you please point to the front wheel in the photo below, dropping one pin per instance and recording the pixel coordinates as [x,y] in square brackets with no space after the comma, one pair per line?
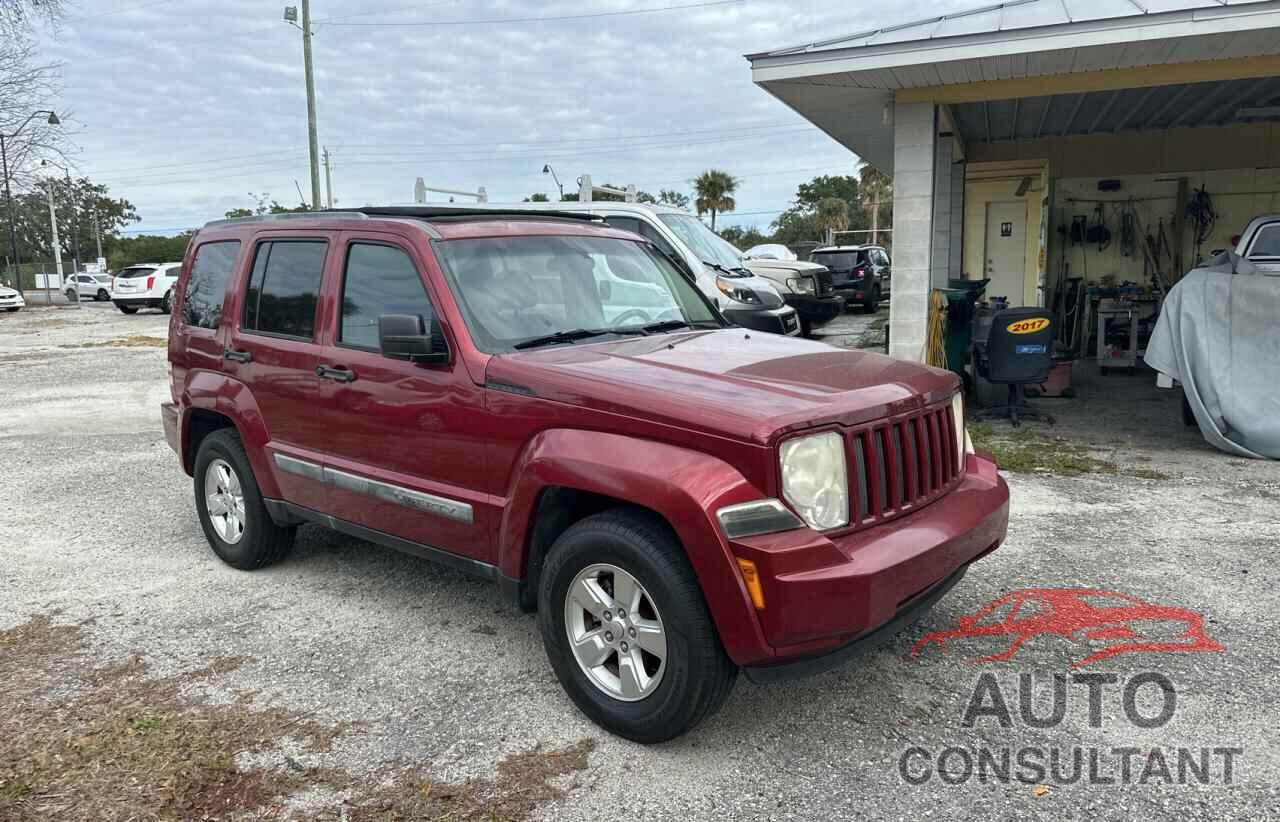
[103,296]
[235,521]
[627,630]
[72,296]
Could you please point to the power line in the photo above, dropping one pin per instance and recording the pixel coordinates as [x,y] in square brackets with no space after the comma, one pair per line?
[120,11]
[584,16]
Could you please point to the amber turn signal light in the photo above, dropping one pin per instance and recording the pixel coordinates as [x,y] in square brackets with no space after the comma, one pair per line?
[752,577]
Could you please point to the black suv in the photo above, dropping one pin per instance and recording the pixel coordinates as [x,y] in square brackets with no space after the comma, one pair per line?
[861,272]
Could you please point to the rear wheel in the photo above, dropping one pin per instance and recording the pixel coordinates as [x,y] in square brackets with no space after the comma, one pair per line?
[166,305]
[626,628]
[127,309]
[235,521]
[872,305]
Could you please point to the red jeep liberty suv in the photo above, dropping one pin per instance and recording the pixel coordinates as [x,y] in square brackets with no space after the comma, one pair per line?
[548,403]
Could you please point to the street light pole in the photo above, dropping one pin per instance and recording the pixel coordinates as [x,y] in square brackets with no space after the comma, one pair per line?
[547,169]
[75,215]
[8,195]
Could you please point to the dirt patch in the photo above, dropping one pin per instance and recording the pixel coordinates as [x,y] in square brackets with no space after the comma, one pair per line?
[1029,450]
[108,741]
[132,341]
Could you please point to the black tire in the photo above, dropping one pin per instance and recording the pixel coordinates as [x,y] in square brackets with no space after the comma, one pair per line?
[72,296]
[698,675]
[806,328]
[102,295]
[262,542]
[166,304]
[872,305]
[11,310]
[127,309]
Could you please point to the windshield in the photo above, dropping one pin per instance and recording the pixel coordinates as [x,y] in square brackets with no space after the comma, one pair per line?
[704,242]
[838,260]
[512,290]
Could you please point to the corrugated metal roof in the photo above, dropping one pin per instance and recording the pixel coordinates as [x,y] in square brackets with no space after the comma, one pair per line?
[1015,15]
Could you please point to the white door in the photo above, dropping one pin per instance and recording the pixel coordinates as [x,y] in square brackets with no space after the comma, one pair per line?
[1006,250]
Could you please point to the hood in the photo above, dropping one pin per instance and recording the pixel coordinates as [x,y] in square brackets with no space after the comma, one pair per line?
[785,265]
[731,383]
[5,291]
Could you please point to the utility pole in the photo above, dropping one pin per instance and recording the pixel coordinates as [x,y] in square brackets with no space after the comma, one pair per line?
[97,235]
[328,180]
[312,141]
[313,144]
[57,249]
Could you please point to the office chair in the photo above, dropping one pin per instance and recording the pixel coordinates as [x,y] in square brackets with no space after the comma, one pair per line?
[1018,351]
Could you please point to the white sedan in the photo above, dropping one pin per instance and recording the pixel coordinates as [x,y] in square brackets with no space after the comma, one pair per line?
[10,300]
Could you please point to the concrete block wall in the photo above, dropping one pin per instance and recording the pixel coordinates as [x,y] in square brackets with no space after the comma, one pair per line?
[914,163]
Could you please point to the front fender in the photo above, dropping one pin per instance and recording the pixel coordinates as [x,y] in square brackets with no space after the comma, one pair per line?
[685,487]
[211,391]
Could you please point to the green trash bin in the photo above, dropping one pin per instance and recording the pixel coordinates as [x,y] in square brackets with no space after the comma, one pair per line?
[961,296]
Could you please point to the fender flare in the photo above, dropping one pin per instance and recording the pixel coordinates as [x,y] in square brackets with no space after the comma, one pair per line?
[683,486]
[211,391]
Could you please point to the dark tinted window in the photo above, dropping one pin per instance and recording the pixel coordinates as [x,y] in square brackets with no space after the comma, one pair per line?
[379,279]
[137,271]
[284,286]
[839,260]
[624,223]
[207,285]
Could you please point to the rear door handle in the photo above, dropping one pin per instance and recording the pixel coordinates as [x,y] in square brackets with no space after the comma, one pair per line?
[236,356]
[338,374]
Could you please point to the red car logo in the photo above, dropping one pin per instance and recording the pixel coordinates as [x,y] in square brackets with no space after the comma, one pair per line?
[1119,624]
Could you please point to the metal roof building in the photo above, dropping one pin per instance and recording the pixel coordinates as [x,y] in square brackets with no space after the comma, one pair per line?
[1166,95]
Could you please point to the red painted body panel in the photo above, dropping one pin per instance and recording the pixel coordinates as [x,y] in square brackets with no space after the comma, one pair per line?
[682,424]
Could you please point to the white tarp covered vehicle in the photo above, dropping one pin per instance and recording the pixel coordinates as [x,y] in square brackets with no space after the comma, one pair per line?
[1219,335]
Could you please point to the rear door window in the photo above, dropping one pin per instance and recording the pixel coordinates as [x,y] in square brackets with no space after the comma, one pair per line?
[207,286]
[284,287]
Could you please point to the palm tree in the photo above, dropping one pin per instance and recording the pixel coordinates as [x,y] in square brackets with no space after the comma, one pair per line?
[875,189]
[714,190]
[833,216]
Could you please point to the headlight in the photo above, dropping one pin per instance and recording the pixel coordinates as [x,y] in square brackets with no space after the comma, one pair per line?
[742,295]
[814,479]
[801,285]
[963,444]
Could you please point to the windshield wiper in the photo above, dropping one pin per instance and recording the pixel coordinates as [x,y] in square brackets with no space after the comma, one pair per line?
[672,325]
[562,336]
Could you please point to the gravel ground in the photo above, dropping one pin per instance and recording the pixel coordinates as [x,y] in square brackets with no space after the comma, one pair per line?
[99,523]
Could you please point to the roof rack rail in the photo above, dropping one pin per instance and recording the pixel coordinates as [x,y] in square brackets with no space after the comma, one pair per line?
[432,212]
[288,215]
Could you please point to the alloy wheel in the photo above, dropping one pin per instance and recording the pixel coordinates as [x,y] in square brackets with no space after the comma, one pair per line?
[224,501]
[615,632]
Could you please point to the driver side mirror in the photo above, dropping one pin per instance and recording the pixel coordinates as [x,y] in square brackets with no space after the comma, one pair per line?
[409,337]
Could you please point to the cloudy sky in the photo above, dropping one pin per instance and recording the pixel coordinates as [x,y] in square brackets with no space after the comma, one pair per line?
[186,107]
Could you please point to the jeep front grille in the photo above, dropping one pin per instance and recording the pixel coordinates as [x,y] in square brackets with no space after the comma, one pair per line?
[901,464]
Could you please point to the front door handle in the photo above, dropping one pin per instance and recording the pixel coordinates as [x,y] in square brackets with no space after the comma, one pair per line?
[338,374]
[236,356]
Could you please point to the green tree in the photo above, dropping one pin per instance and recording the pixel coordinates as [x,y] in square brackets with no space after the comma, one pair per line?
[876,198]
[715,189]
[263,204]
[146,248]
[841,187]
[673,198]
[537,198]
[743,237]
[832,215]
[802,223]
[78,207]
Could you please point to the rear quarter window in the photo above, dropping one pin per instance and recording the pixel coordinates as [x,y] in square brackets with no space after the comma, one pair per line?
[207,286]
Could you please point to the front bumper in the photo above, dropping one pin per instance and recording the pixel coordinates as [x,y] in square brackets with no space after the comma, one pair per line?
[816,310]
[781,320]
[12,302]
[821,593]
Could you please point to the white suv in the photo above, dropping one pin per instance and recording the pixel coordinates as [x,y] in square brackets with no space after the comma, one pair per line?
[88,287]
[148,285]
